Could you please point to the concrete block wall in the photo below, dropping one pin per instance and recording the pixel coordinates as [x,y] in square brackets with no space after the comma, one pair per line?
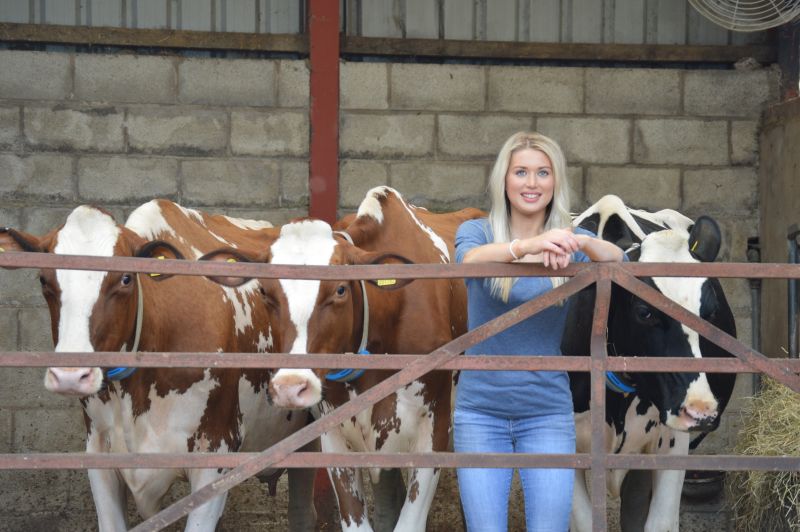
[231,135]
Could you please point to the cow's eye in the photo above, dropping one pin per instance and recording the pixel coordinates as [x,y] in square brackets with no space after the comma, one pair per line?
[42,281]
[644,313]
[340,290]
[125,279]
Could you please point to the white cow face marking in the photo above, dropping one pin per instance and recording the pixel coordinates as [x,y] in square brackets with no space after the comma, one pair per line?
[699,404]
[309,242]
[87,231]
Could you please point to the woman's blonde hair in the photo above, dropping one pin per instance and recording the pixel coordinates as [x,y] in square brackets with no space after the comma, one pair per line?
[557,214]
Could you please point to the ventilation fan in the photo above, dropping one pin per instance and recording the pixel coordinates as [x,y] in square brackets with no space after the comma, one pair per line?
[748,15]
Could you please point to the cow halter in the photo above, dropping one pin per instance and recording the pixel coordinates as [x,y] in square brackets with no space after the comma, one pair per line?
[618,383]
[348,375]
[117,374]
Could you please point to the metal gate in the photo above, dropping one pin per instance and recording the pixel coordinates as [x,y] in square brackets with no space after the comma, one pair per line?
[410,367]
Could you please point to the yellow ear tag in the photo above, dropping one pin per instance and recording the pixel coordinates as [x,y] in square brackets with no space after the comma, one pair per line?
[386,282]
[694,246]
[1,249]
[160,257]
[230,259]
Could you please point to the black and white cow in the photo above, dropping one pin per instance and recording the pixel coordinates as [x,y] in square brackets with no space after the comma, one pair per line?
[650,412]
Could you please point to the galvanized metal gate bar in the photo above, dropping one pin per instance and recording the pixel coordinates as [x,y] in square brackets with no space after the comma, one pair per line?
[383,389]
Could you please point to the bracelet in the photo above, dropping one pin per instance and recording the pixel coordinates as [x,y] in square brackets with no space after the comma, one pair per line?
[511,248]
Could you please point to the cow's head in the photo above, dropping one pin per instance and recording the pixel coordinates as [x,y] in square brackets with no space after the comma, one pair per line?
[685,400]
[89,310]
[310,316]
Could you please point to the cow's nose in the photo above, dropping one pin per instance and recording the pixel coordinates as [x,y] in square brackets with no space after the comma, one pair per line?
[699,414]
[294,389]
[75,381]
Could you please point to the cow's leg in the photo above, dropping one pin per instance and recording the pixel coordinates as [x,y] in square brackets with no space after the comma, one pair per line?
[349,487]
[389,494]
[422,484]
[108,492]
[664,512]
[205,517]
[635,500]
[302,514]
[581,517]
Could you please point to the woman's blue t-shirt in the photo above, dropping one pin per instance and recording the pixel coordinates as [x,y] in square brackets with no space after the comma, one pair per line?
[512,394]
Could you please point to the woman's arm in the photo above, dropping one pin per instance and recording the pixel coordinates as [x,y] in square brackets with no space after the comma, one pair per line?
[557,242]
[599,250]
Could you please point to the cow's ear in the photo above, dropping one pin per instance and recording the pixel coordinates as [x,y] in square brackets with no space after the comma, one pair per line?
[388,258]
[13,240]
[230,255]
[158,249]
[705,239]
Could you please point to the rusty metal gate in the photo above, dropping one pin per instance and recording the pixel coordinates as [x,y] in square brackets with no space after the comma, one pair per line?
[410,367]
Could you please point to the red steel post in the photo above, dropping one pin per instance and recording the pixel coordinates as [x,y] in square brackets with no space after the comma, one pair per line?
[323,179]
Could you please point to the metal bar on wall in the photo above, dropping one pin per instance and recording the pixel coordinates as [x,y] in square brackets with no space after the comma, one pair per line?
[465,49]
[323,179]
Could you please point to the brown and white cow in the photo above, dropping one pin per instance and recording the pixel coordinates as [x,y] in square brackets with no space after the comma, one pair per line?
[328,317]
[154,409]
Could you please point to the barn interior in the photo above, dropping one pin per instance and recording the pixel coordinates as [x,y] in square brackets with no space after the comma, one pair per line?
[276,109]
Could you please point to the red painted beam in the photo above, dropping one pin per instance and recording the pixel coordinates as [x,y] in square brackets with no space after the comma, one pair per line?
[323,179]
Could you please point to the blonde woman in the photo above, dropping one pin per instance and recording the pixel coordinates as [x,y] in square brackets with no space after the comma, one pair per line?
[520,411]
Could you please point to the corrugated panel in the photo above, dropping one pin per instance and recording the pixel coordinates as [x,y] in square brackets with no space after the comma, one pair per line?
[629,22]
[149,14]
[195,15]
[502,17]
[671,26]
[103,13]
[18,11]
[422,19]
[703,31]
[381,18]
[578,21]
[586,21]
[282,16]
[459,19]
[56,12]
[237,15]
[545,21]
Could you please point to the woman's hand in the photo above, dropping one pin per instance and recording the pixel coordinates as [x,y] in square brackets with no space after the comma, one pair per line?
[555,245]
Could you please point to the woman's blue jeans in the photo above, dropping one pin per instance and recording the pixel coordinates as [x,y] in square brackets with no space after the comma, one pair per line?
[485,492]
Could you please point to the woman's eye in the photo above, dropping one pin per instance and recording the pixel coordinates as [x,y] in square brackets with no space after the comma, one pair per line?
[341,290]
[521,173]
[543,173]
[126,279]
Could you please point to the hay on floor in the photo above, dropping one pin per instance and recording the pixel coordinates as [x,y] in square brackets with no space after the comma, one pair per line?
[768,500]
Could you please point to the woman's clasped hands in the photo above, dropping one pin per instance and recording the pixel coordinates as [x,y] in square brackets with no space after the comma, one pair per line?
[556,247]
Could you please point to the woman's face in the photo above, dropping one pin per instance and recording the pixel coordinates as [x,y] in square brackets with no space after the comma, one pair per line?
[529,182]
